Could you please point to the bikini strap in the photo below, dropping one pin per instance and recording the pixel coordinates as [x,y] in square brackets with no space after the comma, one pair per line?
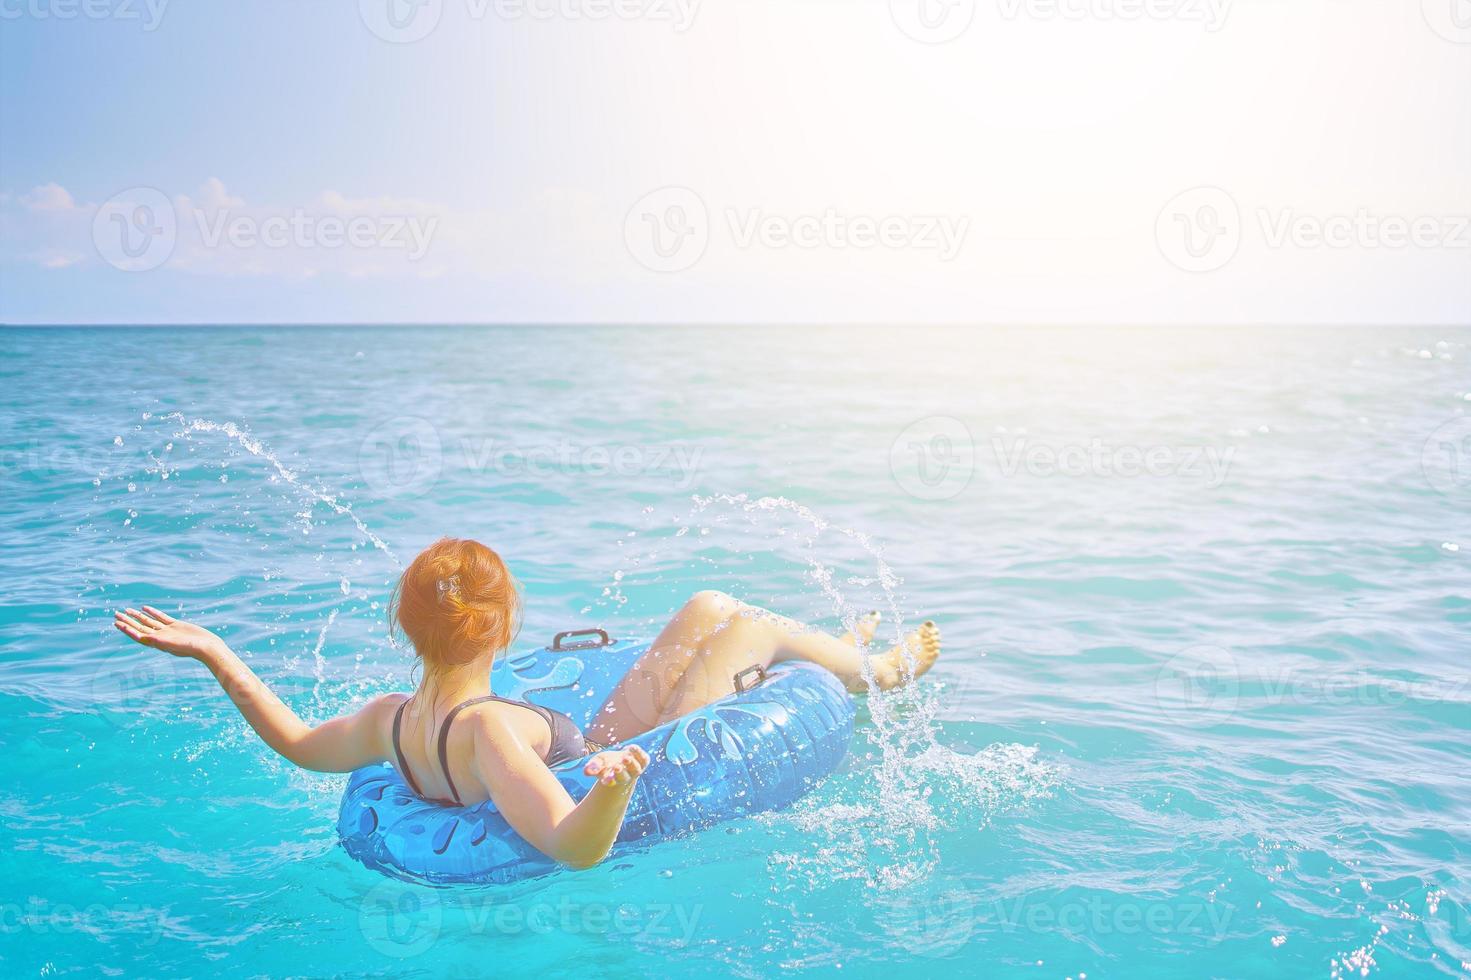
[444,741]
[403,766]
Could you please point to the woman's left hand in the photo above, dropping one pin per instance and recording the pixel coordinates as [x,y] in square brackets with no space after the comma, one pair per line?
[617,767]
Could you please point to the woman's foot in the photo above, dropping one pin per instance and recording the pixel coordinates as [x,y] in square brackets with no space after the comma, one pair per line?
[904,662]
[862,632]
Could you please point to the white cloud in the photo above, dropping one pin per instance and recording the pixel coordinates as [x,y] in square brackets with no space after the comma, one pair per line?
[215,232]
[44,227]
[214,197]
[49,197]
[58,260]
[338,203]
[219,233]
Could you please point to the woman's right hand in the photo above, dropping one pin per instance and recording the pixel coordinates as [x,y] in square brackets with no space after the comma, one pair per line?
[153,628]
[617,767]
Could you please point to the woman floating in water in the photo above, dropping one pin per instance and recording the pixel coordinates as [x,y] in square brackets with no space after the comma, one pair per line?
[456,743]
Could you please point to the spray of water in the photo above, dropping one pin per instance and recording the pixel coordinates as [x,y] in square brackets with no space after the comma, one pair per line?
[312,491]
[881,823]
[165,489]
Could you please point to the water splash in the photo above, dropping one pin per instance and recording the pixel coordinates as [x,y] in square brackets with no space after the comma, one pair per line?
[169,495]
[319,663]
[880,824]
[891,839]
[312,491]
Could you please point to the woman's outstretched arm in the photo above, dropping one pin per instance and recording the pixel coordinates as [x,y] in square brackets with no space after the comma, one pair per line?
[340,745]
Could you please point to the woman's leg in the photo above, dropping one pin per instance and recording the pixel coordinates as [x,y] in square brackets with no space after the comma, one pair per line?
[638,701]
[713,637]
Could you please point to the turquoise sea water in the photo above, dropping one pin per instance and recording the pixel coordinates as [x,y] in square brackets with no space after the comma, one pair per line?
[1204,708]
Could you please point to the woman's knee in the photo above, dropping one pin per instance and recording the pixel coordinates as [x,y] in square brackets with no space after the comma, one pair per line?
[713,605]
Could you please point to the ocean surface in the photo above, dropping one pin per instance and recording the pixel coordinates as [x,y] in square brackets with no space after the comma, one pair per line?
[1204,708]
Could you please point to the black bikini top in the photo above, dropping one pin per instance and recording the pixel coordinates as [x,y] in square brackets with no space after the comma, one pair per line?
[567,741]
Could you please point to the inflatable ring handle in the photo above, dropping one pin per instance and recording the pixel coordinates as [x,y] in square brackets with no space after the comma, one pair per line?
[603,639]
[739,678]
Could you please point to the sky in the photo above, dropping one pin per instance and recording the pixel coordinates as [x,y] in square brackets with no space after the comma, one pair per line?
[681,161]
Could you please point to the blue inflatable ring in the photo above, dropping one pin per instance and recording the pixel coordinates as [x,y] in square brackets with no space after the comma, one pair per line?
[757,750]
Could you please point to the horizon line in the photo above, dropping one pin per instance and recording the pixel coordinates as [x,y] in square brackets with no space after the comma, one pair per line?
[663,324]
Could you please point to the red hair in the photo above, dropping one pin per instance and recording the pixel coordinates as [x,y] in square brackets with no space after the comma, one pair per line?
[455,602]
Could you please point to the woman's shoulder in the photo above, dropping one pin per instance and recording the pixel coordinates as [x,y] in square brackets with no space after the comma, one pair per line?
[496,722]
[384,707]
[491,712]
[386,701]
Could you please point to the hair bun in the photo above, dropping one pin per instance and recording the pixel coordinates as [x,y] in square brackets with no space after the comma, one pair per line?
[456,602]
